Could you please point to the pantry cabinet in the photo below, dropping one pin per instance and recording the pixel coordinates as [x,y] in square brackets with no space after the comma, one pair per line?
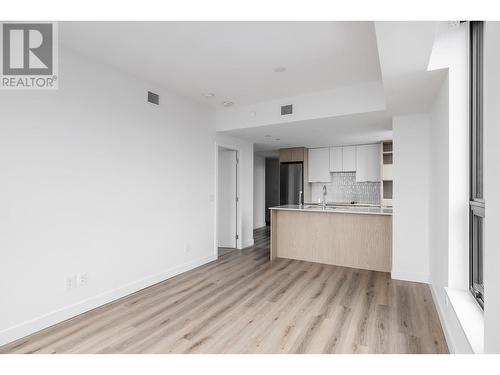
[368,163]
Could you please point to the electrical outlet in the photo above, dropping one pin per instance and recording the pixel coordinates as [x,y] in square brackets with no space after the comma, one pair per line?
[83,279]
[70,282]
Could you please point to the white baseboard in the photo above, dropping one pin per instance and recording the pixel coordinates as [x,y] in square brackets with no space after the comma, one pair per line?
[444,323]
[247,244]
[26,328]
[260,225]
[410,276]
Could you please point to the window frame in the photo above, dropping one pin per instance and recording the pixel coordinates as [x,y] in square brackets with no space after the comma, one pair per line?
[476,152]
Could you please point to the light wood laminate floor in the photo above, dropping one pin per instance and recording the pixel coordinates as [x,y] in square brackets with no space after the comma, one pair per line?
[244,303]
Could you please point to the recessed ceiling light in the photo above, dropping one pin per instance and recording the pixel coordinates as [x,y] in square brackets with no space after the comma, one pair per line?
[268,136]
[209,95]
[227,103]
[279,69]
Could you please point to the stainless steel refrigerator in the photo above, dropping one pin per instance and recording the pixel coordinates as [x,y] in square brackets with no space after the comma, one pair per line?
[291,182]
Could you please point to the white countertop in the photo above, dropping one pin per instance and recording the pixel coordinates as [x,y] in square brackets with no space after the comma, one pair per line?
[370,210]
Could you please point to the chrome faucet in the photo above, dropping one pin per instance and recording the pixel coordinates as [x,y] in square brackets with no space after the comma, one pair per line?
[301,203]
[323,202]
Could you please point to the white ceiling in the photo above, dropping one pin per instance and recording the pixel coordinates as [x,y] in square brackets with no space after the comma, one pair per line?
[272,154]
[341,130]
[233,60]
[404,49]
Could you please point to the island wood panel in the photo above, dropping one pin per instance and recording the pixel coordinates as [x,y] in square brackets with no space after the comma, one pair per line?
[274,238]
[351,240]
[291,154]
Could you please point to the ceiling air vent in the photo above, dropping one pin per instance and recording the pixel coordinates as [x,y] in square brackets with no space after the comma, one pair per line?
[286,109]
[153,98]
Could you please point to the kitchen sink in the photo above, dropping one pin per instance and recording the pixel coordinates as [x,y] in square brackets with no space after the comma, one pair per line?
[310,206]
[317,207]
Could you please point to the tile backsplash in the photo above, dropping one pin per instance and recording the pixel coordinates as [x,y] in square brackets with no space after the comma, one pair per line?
[344,188]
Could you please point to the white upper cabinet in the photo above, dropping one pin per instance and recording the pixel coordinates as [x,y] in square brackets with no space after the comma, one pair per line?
[319,164]
[362,159]
[336,159]
[349,158]
[368,163]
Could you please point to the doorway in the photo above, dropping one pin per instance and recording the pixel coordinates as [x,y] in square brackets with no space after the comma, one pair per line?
[272,186]
[227,200]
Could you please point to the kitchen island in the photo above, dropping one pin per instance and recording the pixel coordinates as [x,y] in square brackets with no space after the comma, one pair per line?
[350,236]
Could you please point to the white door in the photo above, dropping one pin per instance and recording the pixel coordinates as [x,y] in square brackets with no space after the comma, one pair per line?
[227,199]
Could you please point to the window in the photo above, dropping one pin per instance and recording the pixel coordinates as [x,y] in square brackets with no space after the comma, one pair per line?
[476,204]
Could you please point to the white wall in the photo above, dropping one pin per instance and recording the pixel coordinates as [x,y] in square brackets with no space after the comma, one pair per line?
[359,98]
[449,226]
[439,187]
[449,236]
[95,179]
[492,187]
[245,185]
[410,259]
[259,191]
[421,191]
[439,220]
[451,50]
